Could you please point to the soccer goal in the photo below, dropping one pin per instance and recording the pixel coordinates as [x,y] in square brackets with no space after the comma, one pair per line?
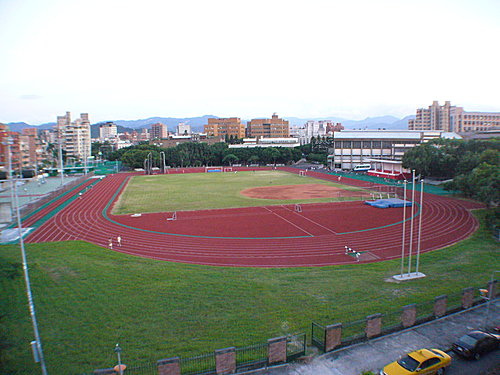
[213,169]
[302,173]
[228,169]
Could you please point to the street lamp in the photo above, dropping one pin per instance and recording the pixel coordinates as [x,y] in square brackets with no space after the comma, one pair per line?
[119,367]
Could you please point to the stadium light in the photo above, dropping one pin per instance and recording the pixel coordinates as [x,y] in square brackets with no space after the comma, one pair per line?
[37,344]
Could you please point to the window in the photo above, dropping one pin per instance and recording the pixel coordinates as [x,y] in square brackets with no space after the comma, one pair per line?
[429,363]
[346,144]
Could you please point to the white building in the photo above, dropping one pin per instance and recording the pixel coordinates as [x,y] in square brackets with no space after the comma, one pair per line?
[313,128]
[107,131]
[267,142]
[74,136]
[183,129]
[382,150]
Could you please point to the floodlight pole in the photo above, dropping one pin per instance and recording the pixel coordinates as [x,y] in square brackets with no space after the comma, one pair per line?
[31,305]
[420,222]
[118,350]
[61,165]
[404,225]
[411,222]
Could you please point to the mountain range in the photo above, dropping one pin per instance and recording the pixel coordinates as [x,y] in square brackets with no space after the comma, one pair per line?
[370,123]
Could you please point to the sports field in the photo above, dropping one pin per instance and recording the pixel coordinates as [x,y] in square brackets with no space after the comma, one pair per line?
[186,192]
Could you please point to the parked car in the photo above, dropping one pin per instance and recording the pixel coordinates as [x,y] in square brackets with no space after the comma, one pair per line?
[476,343]
[419,362]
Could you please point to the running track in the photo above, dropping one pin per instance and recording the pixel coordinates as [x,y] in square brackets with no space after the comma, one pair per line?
[272,236]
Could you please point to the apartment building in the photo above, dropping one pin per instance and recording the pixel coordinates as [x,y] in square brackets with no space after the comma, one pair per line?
[448,118]
[26,149]
[274,127]
[312,128]
[159,131]
[74,136]
[220,127]
[183,129]
[107,131]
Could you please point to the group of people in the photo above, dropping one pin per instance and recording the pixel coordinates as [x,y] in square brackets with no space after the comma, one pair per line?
[118,241]
[349,251]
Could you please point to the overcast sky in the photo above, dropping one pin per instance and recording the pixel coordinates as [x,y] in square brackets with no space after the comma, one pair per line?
[121,59]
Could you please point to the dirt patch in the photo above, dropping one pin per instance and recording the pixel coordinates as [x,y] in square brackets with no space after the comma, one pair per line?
[306,191]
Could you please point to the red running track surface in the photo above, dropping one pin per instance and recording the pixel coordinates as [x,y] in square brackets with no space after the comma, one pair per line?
[271,236]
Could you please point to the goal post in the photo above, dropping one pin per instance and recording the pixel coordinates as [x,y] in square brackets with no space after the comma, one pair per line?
[228,169]
[302,173]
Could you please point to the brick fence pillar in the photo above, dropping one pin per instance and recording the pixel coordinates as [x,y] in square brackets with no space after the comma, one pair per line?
[276,350]
[467,297]
[492,289]
[169,366]
[409,315]
[440,305]
[373,325]
[333,336]
[225,361]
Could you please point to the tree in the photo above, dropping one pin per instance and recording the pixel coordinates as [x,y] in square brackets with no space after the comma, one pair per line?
[229,159]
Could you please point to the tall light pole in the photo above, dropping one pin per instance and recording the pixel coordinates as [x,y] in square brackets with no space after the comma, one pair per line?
[38,343]
[61,166]
[411,222]
[420,222]
[404,225]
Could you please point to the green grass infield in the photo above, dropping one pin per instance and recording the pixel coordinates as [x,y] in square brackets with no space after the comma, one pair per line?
[89,298]
[198,191]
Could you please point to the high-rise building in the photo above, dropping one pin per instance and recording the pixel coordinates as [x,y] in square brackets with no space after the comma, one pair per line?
[107,131]
[74,136]
[274,127]
[322,128]
[183,129]
[159,131]
[450,118]
[26,148]
[231,126]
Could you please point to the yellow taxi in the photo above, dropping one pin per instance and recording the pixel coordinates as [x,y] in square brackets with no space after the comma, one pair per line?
[419,362]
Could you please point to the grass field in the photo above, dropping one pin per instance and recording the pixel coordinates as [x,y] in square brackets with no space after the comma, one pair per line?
[89,298]
[185,192]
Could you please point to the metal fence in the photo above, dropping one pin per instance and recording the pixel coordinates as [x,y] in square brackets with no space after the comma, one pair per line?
[318,336]
[425,311]
[391,321]
[353,331]
[202,364]
[148,368]
[295,346]
[251,357]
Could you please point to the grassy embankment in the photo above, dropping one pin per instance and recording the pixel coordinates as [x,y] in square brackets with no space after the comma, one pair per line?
[89,298]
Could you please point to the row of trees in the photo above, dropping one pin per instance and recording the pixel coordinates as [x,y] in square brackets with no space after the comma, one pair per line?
[472,166]
[200,154]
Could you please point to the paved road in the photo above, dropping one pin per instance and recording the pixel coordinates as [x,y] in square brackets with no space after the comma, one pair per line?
[375,354]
